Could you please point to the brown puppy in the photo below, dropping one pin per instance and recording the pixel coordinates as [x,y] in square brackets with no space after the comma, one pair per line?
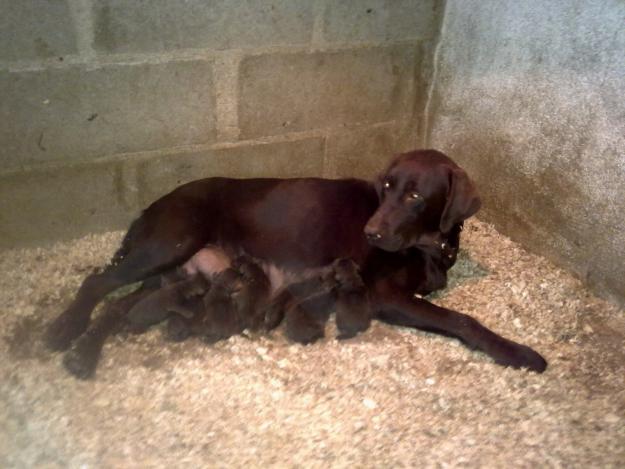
[234,302]
[307,304]
[181,296]
[254,293]
[353,310]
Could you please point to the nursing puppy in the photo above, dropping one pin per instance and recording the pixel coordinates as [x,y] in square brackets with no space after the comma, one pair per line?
[212,297]
[306,305]
[353,310]
[234,303]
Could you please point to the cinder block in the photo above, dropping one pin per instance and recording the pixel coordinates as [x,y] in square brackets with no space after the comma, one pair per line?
[35,29]
[73,113]
[157,176]
[159,25]
[381,20]
[282,93]
[45,205]
[364,153]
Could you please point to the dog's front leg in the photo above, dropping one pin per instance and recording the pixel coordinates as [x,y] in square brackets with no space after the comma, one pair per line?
[393,306]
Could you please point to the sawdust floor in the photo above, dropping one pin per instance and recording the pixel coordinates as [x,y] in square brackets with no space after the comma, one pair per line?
[390,398]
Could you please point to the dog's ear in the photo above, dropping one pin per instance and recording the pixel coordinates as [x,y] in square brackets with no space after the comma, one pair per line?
[462,200]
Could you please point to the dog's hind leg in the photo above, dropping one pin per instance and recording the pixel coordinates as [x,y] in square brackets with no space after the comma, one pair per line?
[151,247]
[81,360]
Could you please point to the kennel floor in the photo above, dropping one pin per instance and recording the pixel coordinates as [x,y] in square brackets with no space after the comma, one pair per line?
[391,397]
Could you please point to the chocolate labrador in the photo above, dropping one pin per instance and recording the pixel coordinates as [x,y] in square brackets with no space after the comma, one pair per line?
[403,231]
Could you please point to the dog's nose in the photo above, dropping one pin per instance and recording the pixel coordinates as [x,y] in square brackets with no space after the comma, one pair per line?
[373,236]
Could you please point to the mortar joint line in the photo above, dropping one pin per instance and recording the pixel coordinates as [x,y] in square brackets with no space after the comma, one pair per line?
[226,76]
[317,40]
[97,60]
[425,139]
[81,12]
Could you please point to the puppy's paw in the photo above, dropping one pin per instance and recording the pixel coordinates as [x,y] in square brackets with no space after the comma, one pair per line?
[177,329]
[211,339]
[273,315]
[353,313]
[347,331]
[346,335]
[302,329]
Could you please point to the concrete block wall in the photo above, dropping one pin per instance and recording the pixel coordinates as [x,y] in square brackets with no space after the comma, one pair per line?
[530,98]
[107,104]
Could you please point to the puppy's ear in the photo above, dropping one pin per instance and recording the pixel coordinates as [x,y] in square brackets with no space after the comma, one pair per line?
[462,200]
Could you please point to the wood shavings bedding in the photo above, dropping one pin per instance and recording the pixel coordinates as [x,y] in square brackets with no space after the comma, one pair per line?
[391,397]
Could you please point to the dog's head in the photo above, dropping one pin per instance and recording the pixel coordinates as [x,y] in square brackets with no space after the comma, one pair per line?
[423,195]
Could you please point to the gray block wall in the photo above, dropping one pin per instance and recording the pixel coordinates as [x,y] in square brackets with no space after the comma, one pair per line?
[107,104]
[530,98]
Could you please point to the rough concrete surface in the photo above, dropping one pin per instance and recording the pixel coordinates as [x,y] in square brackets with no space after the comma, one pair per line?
[529,98]
[122,26]
[381,20]
[52,35]
[292,92]
[356,153]
[74,114]
[64,202]
[390,398]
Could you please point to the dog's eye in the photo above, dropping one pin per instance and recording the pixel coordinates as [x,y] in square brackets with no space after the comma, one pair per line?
[415,197]
[386,185]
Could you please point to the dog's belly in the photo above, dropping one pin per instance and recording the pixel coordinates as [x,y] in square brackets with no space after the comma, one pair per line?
[208,261]
[212,259]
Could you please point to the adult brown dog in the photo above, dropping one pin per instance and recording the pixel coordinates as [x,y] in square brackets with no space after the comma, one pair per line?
[403,231]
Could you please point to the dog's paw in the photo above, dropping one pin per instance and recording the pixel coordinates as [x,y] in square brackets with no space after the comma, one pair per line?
[64,329]
[522,356]
[82,359]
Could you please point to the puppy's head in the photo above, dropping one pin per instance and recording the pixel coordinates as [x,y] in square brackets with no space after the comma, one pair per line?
[227,282]
[347,275]
[423,194]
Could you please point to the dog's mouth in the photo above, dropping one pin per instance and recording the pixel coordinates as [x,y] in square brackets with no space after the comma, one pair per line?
[385,232]
[388,243]
[429,241]
[398,242]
